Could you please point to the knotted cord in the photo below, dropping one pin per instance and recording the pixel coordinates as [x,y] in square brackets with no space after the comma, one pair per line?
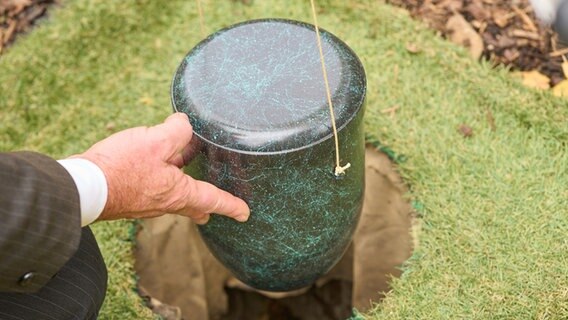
[339,170]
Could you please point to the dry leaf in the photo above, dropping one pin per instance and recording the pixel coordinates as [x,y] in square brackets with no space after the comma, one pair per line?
[465,130]
[511,55]
[561,89]
[505,41]
[391,111]
[534,79]
[413,48]
[462,33]
[501,17]
[526,34]
[477,10]
[16,6]
[502,21]
[9,31]
[565,69]
[146,100]
[491,120]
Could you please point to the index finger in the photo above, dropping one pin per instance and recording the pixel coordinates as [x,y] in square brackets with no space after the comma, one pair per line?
[207,198]
[177,129]
[177,132]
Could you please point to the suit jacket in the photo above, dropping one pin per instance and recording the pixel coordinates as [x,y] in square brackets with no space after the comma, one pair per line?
[40,224]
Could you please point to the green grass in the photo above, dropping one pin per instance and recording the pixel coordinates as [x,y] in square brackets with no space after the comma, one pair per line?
[493,207]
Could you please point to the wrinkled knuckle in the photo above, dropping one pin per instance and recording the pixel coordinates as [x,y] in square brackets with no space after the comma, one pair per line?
[216,204]
[173,204]
[191,198]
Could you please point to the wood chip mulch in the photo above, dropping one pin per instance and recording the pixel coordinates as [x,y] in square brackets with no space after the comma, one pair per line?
[18,17]
[508,30]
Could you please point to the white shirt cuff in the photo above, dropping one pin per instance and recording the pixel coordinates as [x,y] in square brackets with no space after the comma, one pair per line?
[92,186]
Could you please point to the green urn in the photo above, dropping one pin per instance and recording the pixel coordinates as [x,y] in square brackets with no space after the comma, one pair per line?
[256,98]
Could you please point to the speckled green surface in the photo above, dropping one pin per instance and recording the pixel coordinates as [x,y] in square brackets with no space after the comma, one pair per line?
[256,99]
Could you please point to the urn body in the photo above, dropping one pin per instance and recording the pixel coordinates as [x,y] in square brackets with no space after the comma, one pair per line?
[255,96]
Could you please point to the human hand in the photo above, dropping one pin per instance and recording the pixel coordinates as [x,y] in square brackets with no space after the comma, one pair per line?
[142,169]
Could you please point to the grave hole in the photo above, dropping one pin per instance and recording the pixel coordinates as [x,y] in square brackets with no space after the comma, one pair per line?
[180,279]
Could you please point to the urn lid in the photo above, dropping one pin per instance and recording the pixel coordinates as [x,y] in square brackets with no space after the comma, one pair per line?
[257,86]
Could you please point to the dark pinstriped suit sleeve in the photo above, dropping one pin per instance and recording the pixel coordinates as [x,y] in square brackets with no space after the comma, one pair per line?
[39,220]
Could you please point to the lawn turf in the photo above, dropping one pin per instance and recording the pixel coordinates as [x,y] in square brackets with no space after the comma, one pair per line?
[493,207]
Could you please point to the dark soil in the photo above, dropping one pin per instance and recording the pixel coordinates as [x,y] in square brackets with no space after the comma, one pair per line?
[511,34]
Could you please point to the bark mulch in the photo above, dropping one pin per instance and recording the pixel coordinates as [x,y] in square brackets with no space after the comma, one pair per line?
[18,17]
[507,32]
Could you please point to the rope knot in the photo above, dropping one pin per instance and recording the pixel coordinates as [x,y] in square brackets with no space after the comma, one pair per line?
[339,170]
